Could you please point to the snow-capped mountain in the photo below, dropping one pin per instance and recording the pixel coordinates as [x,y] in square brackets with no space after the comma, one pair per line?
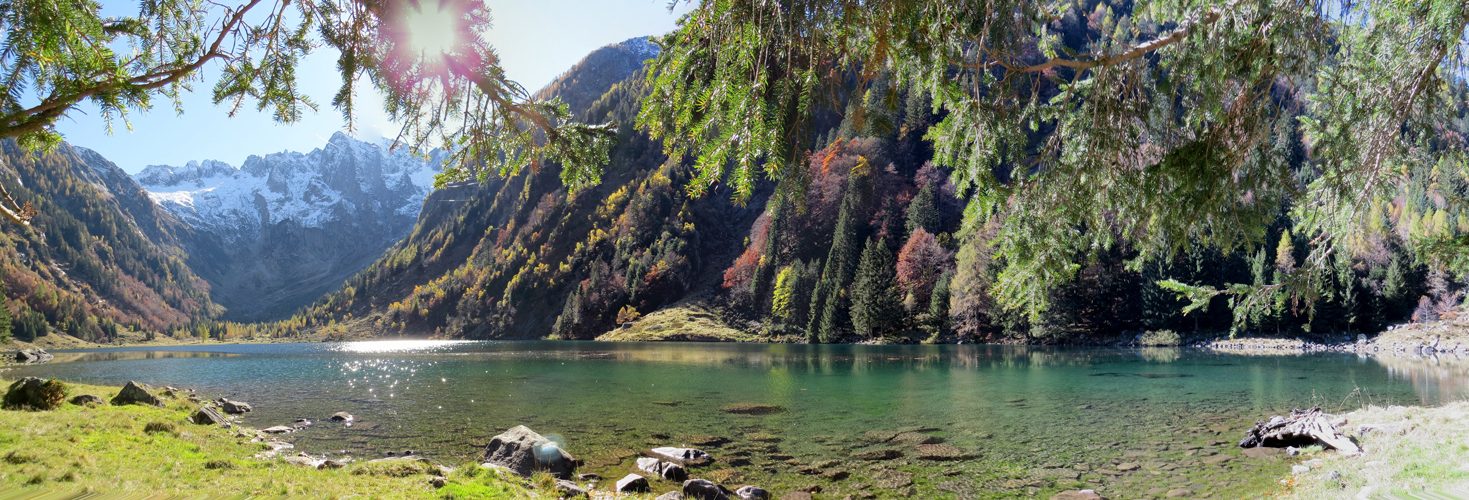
[287,227]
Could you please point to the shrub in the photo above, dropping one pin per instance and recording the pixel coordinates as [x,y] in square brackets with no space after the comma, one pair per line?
[32,394]
[167,427]
[1161,338]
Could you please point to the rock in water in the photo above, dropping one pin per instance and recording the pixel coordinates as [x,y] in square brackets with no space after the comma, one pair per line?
[87,399]
[702,489]
[135,394]
[748,492]
[883,454]
[32,356]
[341,416]
[523,451]
[234,407]
[208,415]
[1301,428]
[752,409]
[632,483]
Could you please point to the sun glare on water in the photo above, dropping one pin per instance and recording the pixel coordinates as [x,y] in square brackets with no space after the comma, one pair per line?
[431,29]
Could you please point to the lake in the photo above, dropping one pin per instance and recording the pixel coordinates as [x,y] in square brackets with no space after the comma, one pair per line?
[1029,420]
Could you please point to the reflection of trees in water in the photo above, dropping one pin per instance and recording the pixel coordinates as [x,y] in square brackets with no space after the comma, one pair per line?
[83,357]
[1435,377]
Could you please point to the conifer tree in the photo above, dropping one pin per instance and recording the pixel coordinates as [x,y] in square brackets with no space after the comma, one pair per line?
[828,305]
[938,303]
[923,211]
[876,300]
[770,254]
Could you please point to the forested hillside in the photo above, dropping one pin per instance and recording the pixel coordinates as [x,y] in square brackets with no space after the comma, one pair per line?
[99,259]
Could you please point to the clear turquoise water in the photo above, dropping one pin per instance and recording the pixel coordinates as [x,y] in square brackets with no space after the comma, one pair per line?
[1029,417]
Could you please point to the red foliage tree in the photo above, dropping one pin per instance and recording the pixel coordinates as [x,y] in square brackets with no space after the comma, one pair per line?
[920,263]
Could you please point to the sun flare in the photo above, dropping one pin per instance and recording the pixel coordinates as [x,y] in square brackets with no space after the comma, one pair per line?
[431,29]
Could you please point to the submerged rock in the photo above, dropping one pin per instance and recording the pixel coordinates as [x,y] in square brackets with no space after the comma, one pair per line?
[752,409]
[135,394]
[341,416]
[1077,495]
[884,454]
[940,452]
[524,451]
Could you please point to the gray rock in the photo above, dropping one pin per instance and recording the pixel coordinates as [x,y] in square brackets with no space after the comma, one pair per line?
[279,429]
[208,415]
[88,399]
[341,416]
[667,470]
[234,407]
[32,356]
[437,481]
[796,495]
[1333,476]
[703,489]
[682,454]
[135,394]
[1077,495]
[748,492]
[1299,469]
[525,452]
[632,483]
[568,489]
[1178,492]
[589,477]
[672,495]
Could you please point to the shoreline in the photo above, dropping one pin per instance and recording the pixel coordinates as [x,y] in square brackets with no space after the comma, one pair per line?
[1404,447]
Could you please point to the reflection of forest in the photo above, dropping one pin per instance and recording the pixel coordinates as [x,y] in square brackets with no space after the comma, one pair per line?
[77,357]
[1444,376]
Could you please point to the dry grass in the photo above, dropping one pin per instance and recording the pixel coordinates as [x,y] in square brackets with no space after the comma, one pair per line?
[679,323]
[1422,450]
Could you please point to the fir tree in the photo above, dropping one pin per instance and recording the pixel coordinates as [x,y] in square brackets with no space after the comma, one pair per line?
[923,211]
[828,306]
[938,303]
[876,300]
[770,255]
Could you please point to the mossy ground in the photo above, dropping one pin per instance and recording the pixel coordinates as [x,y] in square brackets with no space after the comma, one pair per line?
[105,449]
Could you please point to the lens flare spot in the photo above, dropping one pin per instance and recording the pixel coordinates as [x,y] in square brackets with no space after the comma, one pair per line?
[432,29]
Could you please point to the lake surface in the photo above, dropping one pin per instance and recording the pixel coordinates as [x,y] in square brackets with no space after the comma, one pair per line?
[1031,421]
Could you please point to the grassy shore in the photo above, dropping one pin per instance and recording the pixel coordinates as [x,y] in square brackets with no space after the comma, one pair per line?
[1413,452]
[106,449]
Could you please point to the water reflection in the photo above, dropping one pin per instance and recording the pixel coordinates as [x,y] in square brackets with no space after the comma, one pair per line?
[399,346]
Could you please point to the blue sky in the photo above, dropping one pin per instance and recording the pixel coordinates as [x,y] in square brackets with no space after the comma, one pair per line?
[536,39]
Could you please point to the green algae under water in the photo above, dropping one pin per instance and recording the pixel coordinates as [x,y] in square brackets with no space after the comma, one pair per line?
[1030,421]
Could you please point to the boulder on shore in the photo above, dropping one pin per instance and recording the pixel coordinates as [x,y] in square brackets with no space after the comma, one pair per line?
[703,489]
[748,492]
[87,399]
[135,394]
[34,393]
[667,470]
[524,452]
[568,489]
[682,454]
[208,415]
[1300,428]
[632,483]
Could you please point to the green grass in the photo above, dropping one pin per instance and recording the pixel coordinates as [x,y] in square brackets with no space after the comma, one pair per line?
[109,449]
[684,323]
[1428,455]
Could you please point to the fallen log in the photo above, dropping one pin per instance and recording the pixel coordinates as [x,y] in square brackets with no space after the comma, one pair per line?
[1301,428]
